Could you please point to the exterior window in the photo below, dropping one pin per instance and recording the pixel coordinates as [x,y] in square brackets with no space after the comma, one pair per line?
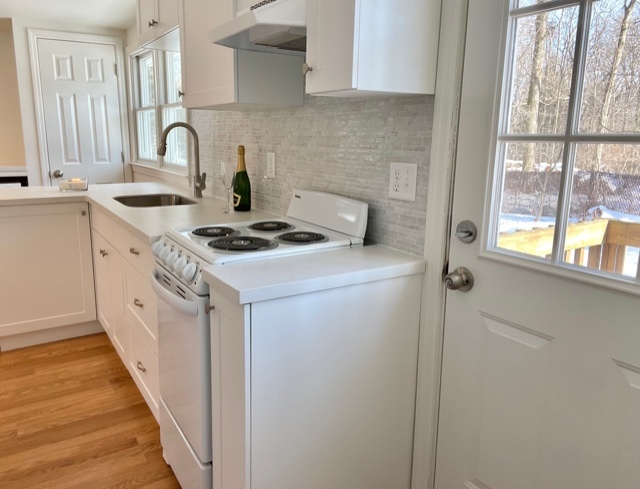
[157,83]
[567,186]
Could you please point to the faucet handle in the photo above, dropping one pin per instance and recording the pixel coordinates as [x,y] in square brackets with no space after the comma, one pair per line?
[202,181]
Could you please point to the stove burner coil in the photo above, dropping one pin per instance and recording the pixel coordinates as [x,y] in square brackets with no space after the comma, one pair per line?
[302,237]
[242,243]
[214,231]
[270,226]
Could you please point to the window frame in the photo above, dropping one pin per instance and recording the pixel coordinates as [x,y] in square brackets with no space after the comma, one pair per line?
[570,138]
[161,103]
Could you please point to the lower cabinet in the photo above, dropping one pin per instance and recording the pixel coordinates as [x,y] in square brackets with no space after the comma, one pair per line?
[143,365]
[109,292]
[127,306]
[46,278]
[316,390]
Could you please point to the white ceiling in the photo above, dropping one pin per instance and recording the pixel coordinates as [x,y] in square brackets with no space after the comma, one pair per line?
[110,14]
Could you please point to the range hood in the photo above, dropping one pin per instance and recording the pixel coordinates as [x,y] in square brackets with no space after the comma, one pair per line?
[270,26]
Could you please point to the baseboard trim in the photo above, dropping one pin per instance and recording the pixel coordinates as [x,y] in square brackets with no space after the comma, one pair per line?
[32,338]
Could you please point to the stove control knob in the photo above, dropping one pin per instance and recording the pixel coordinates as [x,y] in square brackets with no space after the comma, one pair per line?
[156,247]
[162,254]
[171,258]
[189,272]
[179,264]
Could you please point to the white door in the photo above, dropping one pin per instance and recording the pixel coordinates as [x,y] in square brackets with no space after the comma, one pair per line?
[81,110]
[541,362]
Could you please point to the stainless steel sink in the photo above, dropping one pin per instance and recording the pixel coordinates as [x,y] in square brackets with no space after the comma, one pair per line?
[154,200]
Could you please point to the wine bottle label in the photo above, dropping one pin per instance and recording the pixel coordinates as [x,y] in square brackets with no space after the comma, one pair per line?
[236,199]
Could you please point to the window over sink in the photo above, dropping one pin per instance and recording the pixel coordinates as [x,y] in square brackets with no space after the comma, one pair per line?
[156,91]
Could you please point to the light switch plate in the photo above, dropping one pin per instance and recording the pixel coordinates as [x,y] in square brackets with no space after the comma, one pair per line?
[403,179]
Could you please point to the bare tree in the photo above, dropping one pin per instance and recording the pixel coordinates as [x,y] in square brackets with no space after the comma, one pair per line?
[613,73]
[535,81]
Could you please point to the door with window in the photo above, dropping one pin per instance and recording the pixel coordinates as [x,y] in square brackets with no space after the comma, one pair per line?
[541,362]
[81,110]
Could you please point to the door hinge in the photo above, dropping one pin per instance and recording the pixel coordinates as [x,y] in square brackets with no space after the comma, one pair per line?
[115,68]
[122,156]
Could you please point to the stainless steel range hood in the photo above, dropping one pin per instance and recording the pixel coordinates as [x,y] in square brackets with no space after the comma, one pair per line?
[270,26]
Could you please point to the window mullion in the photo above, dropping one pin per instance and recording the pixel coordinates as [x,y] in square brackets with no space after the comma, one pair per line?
[573,118]
[158,105]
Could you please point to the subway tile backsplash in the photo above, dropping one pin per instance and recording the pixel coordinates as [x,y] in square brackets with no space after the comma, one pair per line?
[337,145]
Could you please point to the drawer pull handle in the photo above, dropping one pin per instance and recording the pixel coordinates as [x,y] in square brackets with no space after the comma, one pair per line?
[136,302]
[133,251]
[153,22]
[103,252]
[141,367]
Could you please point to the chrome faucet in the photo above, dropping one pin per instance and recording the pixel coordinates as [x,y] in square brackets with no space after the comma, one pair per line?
[199,181]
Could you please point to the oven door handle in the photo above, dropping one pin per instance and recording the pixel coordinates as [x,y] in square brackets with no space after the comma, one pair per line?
[188,307]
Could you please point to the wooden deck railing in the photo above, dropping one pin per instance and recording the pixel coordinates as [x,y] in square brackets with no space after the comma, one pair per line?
[600,244]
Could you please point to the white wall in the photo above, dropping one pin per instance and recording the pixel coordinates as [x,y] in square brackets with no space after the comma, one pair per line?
[12,154]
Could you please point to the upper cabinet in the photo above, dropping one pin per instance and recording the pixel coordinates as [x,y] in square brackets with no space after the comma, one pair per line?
[217,77]
[158,21]
[371,47]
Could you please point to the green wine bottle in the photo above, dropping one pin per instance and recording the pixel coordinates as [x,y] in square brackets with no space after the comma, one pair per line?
[242,186]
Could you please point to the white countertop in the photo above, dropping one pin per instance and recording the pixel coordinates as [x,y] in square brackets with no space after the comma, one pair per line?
[298,274]
[147,223]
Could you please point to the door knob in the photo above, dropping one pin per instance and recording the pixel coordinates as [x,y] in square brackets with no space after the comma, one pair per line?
[306,69]
[460,279]
[57,174]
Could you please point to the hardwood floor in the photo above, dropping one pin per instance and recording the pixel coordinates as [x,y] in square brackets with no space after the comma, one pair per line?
[71,417]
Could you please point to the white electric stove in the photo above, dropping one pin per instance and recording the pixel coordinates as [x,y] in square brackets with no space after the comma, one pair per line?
[315,222]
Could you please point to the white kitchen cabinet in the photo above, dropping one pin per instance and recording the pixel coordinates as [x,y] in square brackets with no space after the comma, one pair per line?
[109,293]
[218,77]
[132,321]
[47,270]
[372,47]
[310,391]
[158,18]
[144,368]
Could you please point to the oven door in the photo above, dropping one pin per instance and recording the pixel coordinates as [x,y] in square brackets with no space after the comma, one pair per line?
[184,358]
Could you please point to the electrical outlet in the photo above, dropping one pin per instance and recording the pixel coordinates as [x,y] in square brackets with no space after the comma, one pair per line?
[402,181]
[271,165]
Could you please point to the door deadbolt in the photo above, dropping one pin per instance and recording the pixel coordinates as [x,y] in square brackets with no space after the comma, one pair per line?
[466,231]
[460,279]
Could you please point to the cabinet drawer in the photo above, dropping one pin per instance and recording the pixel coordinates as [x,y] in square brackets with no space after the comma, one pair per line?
[141,306]
[132,248]
[138,253]
[143,365]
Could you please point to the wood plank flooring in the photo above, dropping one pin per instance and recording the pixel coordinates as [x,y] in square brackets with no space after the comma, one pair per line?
[71,417]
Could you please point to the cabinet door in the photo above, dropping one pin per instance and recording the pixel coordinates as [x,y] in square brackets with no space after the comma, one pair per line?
[146,17]
[167,16]
[208,70]
[332,46]
[109,282]
[102,253]
[47,267]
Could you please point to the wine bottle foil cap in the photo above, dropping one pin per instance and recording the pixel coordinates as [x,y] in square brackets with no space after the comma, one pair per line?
[240,150]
